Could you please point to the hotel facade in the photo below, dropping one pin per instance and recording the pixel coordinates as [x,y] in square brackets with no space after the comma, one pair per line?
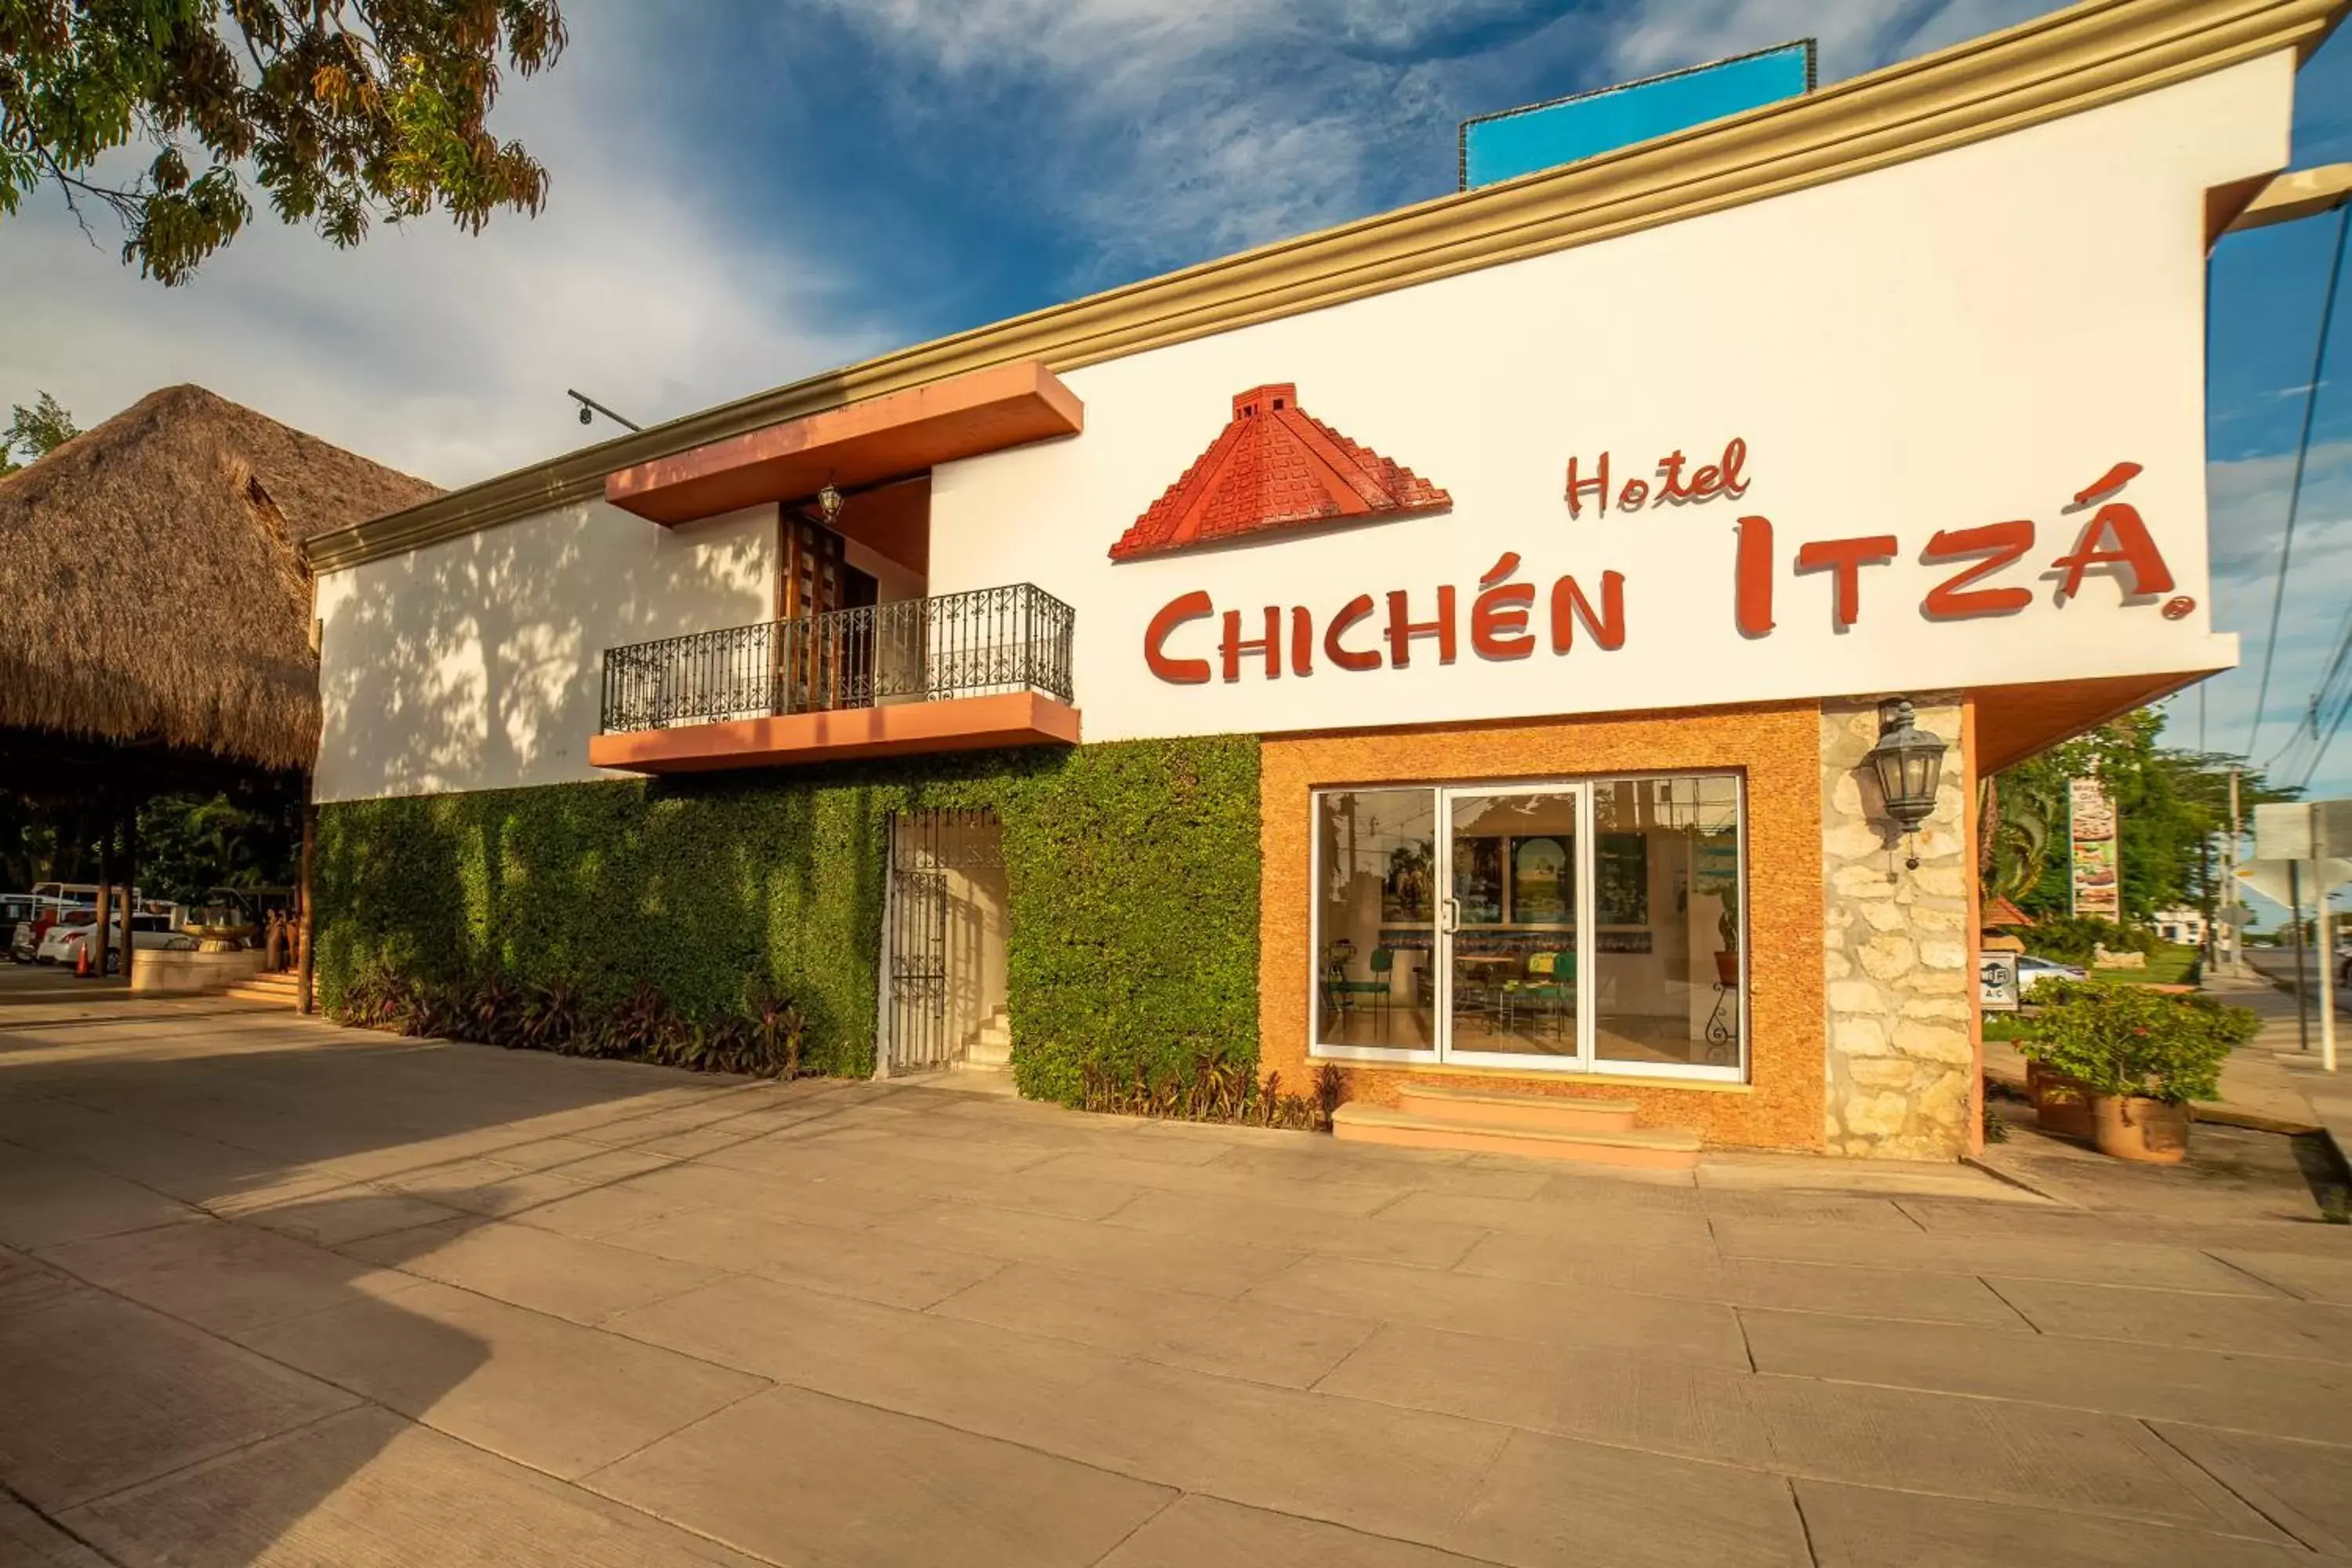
[1451,647]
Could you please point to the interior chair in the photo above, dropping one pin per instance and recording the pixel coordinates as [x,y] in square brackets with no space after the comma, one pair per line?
[1548,990]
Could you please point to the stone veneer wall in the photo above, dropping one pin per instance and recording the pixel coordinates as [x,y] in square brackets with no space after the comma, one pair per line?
[1902,1062]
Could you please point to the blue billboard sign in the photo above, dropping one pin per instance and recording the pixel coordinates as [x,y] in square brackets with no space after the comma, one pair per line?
[1545,135]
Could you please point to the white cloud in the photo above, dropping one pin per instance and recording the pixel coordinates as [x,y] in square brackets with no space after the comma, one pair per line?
[1166,134]
[1855,36]
[1153,135]
[440,353]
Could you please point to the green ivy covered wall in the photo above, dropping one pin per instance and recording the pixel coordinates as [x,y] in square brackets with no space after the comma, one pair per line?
[1133,872]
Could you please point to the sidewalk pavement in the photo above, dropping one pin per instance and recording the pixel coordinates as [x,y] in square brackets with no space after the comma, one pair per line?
[275,1294]
[2273,1067]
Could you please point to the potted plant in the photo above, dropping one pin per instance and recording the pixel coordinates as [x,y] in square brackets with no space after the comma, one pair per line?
[2139,1056]
[1726,958]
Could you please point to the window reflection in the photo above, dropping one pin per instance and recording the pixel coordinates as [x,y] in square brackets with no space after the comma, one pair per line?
[1376,917]
[1514,952]
[1667,906]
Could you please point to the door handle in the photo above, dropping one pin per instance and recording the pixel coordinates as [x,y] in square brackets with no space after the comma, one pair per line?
[1451,922]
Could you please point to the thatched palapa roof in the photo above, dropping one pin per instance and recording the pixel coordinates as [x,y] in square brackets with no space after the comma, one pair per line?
[150,585]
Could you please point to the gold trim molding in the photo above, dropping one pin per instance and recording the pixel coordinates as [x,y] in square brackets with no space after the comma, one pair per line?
[2079,58]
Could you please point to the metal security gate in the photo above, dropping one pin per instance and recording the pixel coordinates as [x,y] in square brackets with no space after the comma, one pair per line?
[930,852]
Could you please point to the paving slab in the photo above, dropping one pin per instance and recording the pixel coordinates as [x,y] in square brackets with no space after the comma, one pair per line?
[1547,1500]
[1274,1221]
[1559,1220]
[925,1143]
[368,1490]
[1244,1339]
[564,1275]
[1700,1275]
[1209,1266]
[800,1477]
[718,1182]
[1705,1332]
[2118,1263]
[335,1216]
[223,1276]
[1663,1406]
[96,1393]
[29,1540]
[45,1200]
[1858,1527]
[2253,1325]
[2305,1488]
[1198,1531]
[2259,1394]
[547,1392]
[1372,1467]
[1846,1209]
[1332,1195]
[2311,1277]
[818,1258]
[1917,1441]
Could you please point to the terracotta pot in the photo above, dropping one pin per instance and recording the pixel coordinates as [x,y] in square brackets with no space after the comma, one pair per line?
[1727,969]
[2128,1127]
[2061,1105]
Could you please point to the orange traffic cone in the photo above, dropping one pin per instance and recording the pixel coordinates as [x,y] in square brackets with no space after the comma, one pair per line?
[81,959]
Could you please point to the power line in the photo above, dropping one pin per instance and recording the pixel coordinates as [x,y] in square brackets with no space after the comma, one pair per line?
[2302,454]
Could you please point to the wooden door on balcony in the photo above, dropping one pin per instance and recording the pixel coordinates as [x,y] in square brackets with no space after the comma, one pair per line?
[820,652]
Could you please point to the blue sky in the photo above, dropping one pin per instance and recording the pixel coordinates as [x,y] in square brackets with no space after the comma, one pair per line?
[744,193]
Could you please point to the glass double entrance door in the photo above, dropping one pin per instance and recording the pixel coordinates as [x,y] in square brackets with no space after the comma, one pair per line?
[1507,959]
[1586,924]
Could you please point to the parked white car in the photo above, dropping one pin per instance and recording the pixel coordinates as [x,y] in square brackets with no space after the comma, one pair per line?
[66,940]
[2032,971]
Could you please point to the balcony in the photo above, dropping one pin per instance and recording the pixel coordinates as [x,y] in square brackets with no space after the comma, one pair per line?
[958,672]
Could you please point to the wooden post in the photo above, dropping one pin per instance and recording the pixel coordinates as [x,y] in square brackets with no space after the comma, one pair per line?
[130,889]
[96,942]
[305,1001]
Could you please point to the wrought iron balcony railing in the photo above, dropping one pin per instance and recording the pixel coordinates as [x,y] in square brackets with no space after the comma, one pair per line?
[990,641]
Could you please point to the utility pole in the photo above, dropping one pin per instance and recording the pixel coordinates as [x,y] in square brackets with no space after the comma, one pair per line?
[2227,938]
[2294,924]
[2326,933]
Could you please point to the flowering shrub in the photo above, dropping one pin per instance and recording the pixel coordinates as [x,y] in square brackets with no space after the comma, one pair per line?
[2123,1039]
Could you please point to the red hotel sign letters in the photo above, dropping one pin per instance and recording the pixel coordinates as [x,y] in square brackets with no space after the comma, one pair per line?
[1510,620]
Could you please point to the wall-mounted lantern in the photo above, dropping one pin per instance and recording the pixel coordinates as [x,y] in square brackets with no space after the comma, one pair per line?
[1909,762]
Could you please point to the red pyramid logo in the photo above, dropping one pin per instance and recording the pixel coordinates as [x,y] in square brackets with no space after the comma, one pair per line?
[1276,467]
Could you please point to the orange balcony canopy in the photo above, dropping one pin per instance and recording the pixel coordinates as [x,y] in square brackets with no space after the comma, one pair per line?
[866,443]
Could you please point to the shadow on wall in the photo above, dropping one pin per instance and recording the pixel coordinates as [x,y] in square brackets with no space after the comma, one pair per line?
[478,663]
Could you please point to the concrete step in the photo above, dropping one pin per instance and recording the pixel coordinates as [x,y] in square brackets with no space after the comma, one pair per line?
[991,1047]
[1500,1108]
[1646,1149]
[281,990]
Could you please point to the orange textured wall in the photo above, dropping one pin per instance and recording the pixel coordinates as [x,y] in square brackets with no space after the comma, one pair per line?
[1776,746]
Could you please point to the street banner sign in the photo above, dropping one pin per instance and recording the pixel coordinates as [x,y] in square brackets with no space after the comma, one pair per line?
[2096,883]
